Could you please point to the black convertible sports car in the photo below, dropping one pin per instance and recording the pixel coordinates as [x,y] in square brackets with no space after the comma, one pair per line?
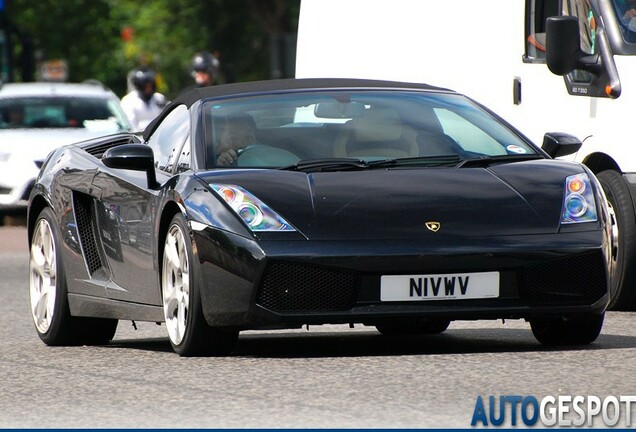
[283,203]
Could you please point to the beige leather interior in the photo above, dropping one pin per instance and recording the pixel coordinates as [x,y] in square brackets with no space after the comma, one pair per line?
[379,133]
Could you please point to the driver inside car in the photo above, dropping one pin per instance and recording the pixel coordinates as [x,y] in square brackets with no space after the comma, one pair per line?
[237,133]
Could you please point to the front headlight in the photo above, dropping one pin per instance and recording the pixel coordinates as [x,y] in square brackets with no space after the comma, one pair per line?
[578,203]
[255,213]
[4,156]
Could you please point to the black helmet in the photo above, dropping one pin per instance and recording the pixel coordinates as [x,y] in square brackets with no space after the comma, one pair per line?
[143,76]
[204,62]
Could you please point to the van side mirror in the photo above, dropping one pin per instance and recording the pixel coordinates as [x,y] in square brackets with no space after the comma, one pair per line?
[136,157]
[558,144]
[563,50]
[562,44]
[565,56]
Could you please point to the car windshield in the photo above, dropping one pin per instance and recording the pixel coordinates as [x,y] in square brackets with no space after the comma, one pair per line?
[337,127]
[60,112]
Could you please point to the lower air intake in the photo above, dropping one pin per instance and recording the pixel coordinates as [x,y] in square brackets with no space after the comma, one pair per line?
[578,279]
[289,287]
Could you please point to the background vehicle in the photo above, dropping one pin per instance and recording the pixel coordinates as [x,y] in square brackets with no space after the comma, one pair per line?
[281,203]
[495,52]
[36,118]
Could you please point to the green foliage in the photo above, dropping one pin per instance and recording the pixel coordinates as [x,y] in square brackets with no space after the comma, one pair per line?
[166,34]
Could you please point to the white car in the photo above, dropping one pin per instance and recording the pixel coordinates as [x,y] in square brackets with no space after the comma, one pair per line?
[36,118]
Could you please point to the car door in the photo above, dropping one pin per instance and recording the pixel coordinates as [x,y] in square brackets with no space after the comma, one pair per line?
[125,213]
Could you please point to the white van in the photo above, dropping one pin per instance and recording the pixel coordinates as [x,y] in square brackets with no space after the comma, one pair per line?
[495,52]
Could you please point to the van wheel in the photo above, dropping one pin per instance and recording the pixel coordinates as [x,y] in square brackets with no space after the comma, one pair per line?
[581,330]
[623,253]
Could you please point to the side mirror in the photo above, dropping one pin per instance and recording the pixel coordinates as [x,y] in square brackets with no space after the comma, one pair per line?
[136,157]
[558,144]
[563,50]
[564,55]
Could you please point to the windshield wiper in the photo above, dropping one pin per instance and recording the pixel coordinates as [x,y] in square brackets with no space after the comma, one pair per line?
[484,161]
[349,164]
[478,162]
[326,164]
[428,161]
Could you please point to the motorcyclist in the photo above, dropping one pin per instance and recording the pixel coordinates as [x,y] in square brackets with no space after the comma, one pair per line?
[144,103]
[204,68]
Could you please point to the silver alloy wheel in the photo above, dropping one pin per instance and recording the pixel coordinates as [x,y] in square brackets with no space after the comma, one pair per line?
[43,276]
[175,284]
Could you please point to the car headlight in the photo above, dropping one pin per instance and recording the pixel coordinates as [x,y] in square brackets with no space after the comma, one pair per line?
[578,203]
[4,156]
[255,213]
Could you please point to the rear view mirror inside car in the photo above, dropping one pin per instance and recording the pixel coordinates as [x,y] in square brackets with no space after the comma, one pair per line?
[339,109]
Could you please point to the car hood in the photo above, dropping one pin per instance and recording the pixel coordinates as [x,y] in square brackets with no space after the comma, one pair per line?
[510,199]
[36,144]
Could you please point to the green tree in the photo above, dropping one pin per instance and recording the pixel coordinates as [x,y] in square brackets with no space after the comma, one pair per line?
[76,30]
[104,39]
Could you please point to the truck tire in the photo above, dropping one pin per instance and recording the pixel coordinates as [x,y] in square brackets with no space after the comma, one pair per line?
[623,271]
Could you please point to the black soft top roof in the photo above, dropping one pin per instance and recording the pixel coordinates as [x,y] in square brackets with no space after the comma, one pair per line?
[189,97]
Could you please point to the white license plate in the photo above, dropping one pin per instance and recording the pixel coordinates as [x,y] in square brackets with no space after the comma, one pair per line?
[454,286]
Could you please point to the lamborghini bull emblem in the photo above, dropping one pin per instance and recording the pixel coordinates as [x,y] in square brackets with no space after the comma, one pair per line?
[433,226]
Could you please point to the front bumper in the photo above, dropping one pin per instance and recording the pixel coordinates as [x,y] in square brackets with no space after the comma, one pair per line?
[290,283]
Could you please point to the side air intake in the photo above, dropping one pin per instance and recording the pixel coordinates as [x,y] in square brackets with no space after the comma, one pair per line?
[84,217]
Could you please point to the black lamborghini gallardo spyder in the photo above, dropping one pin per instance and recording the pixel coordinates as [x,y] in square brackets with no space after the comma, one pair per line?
[282,203]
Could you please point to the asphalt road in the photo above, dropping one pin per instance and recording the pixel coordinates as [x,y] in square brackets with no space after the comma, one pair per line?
[327,377]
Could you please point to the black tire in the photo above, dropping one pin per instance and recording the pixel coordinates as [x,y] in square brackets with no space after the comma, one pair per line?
[60,328]
[580,330]
[623,270]
[195,337]
[413,328]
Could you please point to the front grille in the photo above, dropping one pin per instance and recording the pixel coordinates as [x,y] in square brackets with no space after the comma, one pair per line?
[84,215]
[290,287]
[578,279]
